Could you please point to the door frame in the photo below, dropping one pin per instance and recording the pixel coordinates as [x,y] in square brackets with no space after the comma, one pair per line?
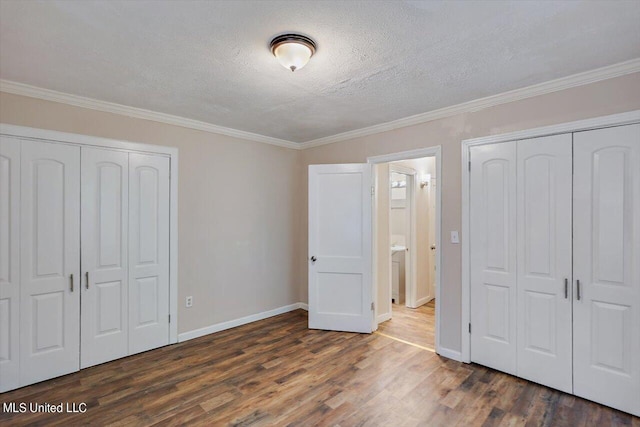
[569,127]
[51,136]
[410,267]
[434,151]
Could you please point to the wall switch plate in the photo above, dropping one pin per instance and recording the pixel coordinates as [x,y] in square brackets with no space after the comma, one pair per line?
[454,237]
[189,302]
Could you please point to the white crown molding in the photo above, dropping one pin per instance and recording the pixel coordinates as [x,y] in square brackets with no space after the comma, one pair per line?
[620,119]
[609,72]
[616,70]
[139,113]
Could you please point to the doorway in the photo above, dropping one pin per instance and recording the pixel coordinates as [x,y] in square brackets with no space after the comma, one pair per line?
[406,236]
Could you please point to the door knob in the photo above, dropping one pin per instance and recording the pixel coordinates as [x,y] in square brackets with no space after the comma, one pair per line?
[433,247]
[314,259]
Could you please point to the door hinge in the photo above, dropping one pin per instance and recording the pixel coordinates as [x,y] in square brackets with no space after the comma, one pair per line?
[373,190]
[373,306]
[469,165]
[169,318]
[469,327]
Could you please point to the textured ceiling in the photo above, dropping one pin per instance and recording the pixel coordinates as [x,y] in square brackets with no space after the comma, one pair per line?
[377,61]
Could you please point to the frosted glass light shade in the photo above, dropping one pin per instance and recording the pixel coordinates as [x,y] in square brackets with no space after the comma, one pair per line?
[293,51]
[292,55]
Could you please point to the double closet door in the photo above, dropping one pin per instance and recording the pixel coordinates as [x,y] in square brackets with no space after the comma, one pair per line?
[125,254]
[84,257]
[555,262]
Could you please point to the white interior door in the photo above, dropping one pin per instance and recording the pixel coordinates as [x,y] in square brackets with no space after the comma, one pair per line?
[544,261]
[493,255]
[9,263]
[148,252]
[607,265]
[50,260]
[432,188]
[413,289]
[105,217]
[340,282]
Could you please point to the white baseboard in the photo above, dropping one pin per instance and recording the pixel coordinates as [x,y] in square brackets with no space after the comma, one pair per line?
[383,317]
[450,354]
[423,301]
[304,306]
[185,336]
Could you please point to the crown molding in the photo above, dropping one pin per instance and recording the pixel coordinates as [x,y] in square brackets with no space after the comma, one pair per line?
[138,113]
[609,72]
[604,73]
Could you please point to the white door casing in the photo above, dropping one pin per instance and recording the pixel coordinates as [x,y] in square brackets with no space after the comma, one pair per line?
[50,260]
[148,252]
[544,169]
[340,255]
[606,262]
[105,217]
[9,263]
[493,256]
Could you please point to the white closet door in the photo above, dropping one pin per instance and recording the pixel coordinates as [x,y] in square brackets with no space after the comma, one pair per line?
[9,263]
[606,261]
[493,256]
[50,261]
[148,252]
[544,261]
[105,216]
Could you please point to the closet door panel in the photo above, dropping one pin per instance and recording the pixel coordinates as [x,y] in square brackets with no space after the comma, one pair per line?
[607,264]
[493,260]
[148,252]
[50,260]
[9,263]
[105,292]
[544,261]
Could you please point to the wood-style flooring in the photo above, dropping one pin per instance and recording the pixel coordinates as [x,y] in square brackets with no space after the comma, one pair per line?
[278,372]
[415,325]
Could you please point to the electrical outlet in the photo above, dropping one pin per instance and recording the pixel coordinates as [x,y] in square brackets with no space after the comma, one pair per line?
[189,302]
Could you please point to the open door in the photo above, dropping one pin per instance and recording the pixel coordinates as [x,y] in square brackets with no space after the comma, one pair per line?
[340,255]
[432,188]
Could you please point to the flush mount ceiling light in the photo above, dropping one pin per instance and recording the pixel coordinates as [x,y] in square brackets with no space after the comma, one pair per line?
[293,50]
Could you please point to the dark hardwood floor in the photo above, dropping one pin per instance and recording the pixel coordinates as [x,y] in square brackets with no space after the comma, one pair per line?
[278,372]
[415,325]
